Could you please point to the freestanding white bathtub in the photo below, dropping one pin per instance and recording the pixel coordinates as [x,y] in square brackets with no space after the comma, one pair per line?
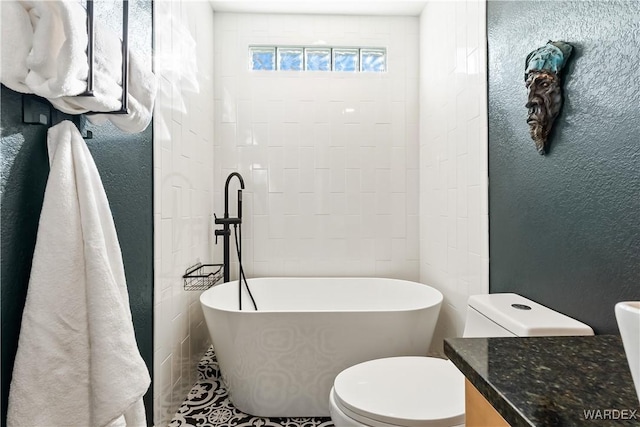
[281,360]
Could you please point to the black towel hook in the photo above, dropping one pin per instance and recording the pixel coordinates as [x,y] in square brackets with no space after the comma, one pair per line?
[38,111]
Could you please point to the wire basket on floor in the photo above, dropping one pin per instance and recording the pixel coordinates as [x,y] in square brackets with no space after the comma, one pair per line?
[201,277]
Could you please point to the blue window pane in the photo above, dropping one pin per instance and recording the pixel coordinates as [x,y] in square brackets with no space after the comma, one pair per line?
[373,60]
[290,59]
[317,59]
[345,59]
[263,58]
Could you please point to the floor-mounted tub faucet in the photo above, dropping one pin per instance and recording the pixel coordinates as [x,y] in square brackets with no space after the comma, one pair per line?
[226,222]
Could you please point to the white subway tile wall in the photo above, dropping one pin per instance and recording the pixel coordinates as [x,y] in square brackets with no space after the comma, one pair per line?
[183,202]
[454,238]
[330,160]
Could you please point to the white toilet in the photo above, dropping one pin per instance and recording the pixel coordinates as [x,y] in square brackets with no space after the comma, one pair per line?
[427,391]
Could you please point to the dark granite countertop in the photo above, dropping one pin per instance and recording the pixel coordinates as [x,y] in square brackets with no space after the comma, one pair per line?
[550,381]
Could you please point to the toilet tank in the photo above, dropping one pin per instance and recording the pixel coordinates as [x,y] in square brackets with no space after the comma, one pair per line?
[512,315]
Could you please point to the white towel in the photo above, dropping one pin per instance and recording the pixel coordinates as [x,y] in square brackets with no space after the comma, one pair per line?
[107,77]
[108,87]
[57,61]
[142,95]
[77,362]
[48,58]
[17,39]
[35,36]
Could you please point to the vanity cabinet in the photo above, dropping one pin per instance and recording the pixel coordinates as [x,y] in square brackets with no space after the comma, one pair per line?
[478,411]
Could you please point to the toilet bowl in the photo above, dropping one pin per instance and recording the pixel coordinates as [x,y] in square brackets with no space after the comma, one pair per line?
[416,391]
[420,392]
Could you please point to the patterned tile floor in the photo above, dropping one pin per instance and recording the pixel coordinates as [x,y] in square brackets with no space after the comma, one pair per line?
[208,405]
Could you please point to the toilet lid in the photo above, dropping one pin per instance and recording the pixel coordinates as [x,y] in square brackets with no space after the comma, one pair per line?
[403,391]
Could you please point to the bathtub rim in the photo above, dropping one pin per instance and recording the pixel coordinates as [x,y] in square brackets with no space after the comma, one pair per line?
[436,302]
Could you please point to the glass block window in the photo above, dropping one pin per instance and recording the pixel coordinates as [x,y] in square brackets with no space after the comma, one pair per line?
[290,58]
[262,58]
[345,60]
[373,60]
[317,59]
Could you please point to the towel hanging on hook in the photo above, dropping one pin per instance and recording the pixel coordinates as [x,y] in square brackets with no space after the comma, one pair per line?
[77,317]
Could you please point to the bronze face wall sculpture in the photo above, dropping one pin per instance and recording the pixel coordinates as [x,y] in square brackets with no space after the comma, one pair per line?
[542,79]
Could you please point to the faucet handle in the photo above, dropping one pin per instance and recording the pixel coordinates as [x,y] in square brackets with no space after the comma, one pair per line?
[219,233]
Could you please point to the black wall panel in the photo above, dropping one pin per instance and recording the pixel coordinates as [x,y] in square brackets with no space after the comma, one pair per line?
[565,227]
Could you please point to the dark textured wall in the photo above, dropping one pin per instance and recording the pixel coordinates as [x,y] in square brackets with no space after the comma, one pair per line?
[124,162]
[565,227]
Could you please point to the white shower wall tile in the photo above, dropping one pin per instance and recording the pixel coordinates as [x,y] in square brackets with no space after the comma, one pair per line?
[321,141]
[453,163]
[183,187]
